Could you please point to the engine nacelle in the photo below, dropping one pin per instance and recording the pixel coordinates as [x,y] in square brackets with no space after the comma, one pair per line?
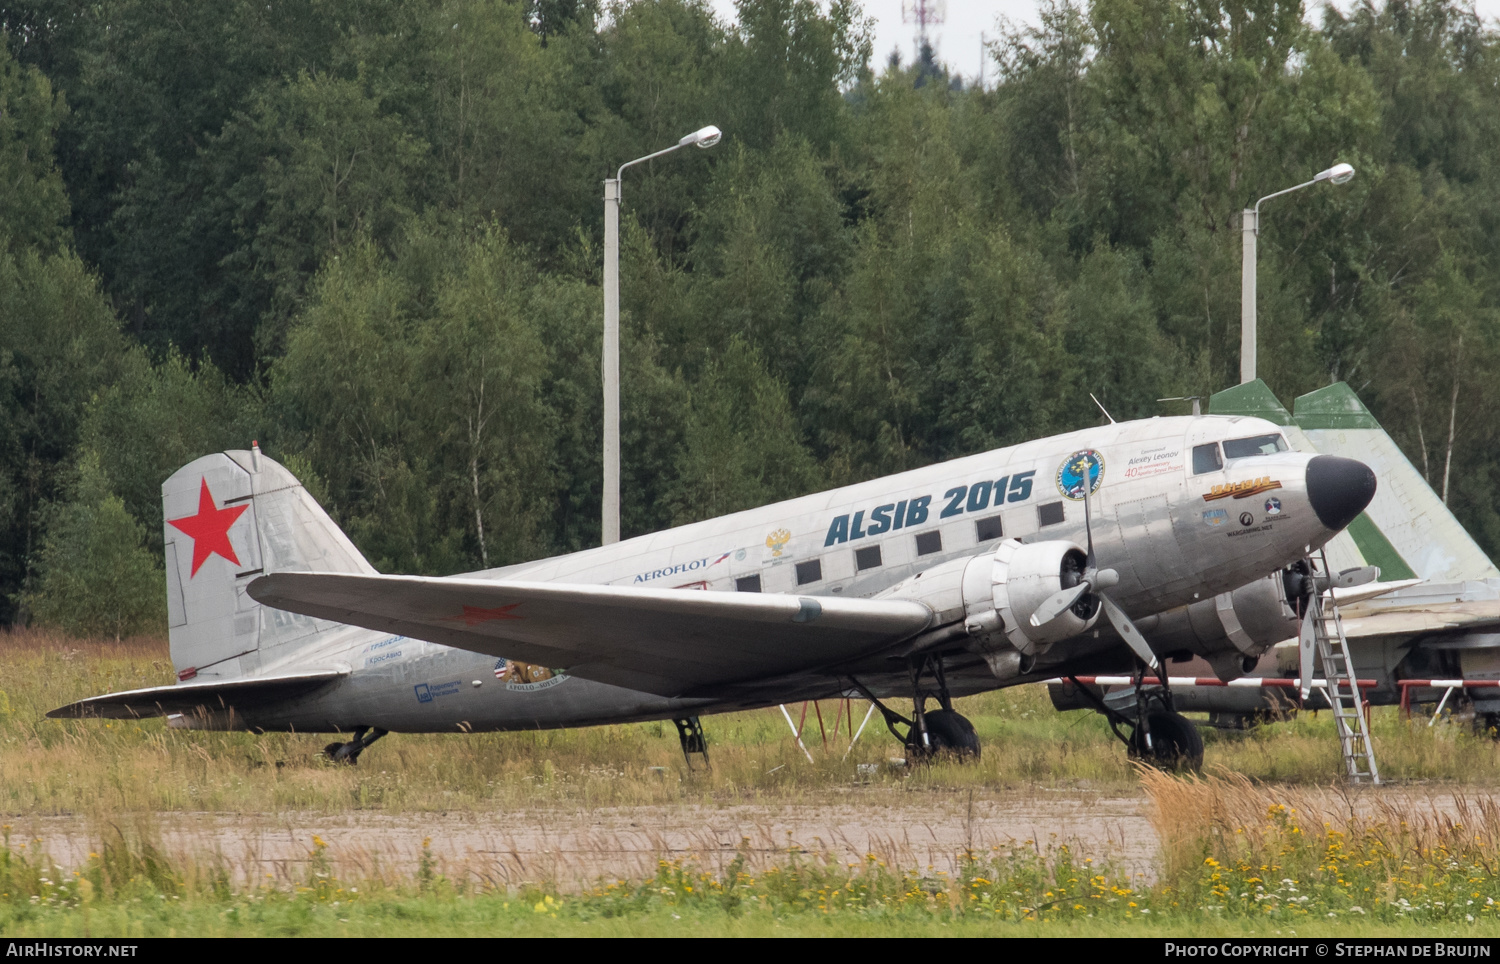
[1231,630]
[1022,576]
[996,593]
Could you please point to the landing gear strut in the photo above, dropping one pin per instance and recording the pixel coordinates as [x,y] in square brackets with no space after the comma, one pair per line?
[1157,734]
[690,734]
[929,732]
[349,752]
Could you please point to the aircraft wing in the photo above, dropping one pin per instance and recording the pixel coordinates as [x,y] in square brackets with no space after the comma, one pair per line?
[188,697]
[671,642]
[1417,622]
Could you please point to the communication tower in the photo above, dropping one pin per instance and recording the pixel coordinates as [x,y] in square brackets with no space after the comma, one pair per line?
[923,13]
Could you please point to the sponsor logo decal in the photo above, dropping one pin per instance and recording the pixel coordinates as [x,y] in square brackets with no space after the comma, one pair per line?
[209,529]
[381,652]
[1273,506]
[691,566]
[777,541]
[1246,519]
[1242,490]
[973,497]
[527,677]
[427,692]
[474,615]
[1082,468]
[1244,532]
[1215,517]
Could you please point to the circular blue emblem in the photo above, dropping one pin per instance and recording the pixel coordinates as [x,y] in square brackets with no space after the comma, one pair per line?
[1075,469]
[1273,506]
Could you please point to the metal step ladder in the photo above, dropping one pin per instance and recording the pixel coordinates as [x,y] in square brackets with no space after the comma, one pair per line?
[1342,690]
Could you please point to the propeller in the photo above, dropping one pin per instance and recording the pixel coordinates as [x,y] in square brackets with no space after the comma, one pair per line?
[1094,581]
[1305,640]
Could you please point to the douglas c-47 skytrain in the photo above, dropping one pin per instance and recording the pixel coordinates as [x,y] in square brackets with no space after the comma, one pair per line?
[1055,557]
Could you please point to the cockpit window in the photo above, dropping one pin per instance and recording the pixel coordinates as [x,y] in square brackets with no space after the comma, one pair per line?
[1243,448]
[1206,458]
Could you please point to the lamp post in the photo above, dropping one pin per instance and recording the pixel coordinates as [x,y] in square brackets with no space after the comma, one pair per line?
[707,137]
[1249,229]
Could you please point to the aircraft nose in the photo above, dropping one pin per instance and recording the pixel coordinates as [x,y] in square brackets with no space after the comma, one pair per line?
[1339,489]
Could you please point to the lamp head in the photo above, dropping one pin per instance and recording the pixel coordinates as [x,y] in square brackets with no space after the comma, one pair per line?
[1338,174]
[707,137]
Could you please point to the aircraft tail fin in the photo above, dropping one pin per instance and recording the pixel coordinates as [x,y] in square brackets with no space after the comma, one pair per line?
[1407,530]
[231,517]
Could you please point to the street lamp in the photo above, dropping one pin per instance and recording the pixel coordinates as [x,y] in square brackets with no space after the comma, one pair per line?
[707,137]
[1249,229]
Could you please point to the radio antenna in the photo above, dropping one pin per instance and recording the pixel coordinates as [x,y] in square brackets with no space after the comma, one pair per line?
[1103,409]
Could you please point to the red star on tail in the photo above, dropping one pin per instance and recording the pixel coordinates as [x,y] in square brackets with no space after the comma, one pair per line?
[209,529]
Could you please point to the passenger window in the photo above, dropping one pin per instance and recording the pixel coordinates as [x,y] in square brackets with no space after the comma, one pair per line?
[929,542]
[1206,458]
[1244,448]
[866,558]
[748,583]
[810,571]
[1050,514]
[988,529]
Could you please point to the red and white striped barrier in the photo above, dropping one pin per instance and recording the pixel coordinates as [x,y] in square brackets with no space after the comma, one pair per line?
[1245,682]
[1449,685]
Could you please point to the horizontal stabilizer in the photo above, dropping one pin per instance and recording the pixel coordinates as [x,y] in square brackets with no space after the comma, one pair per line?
[671,642]
[212,695]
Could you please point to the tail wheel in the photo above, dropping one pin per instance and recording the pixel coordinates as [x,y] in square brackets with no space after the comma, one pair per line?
[1175,743]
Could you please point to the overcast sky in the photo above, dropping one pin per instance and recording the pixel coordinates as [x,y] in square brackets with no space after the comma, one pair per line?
[957,39]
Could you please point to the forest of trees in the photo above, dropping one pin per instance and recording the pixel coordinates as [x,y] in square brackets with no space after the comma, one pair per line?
[368,233]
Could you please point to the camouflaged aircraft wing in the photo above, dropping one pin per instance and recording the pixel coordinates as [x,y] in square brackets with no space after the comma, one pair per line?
[671,642]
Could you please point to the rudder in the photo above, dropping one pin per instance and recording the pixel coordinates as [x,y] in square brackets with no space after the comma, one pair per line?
[230,517]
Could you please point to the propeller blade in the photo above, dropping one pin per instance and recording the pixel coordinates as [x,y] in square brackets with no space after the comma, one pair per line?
[1305,640]
[1127,630]
[1057,604]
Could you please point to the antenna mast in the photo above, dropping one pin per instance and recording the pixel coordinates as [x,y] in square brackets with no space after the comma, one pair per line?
[923,13]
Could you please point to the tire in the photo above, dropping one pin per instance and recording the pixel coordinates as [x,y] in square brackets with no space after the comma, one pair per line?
[1176,743]
[951,733]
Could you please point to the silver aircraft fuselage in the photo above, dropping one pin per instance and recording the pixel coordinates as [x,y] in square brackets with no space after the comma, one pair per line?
[1175,531]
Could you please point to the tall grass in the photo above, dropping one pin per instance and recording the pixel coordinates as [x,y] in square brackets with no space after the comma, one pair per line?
[1237,848]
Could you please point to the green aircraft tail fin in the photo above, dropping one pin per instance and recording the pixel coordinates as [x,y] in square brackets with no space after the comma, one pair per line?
[1407,530]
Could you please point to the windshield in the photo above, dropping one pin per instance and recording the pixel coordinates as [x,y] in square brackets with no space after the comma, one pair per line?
[1243,448]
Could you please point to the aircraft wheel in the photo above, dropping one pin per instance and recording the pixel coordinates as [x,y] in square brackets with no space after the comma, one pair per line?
[1176,743]
[343,753]
[1487,724]
[950,732]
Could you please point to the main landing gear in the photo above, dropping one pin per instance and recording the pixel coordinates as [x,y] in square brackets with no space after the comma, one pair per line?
[929,733]
[349,752]
[1156,734]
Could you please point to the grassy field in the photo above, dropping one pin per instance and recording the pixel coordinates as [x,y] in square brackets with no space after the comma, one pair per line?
[1261,846]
